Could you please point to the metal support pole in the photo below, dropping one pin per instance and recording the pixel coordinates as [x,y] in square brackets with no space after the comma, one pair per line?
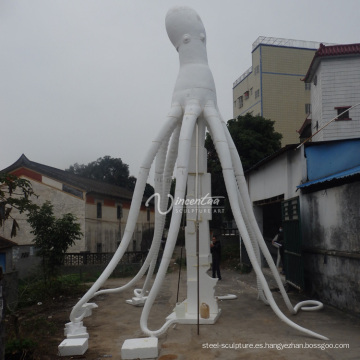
[197,228]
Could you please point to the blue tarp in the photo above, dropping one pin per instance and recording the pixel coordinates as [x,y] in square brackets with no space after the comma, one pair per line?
[333,157]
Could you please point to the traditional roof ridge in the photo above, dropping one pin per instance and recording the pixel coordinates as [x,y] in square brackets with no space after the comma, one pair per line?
[83,183]
[336,50]
[330,51]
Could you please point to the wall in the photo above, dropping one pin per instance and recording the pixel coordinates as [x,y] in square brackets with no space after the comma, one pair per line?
[278,177]
[317,106]
[108,230]
[331,239]
[63,203]
[252,81]
[284,95]
[338,85]
[105,230]
[25,261]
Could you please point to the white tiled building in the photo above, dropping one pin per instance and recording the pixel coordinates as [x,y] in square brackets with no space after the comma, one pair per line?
[334,75]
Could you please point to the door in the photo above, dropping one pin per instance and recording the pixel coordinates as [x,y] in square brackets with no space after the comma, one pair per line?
[3,262]
[294,268]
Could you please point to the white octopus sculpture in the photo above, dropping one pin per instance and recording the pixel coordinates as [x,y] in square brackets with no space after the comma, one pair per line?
[194,98]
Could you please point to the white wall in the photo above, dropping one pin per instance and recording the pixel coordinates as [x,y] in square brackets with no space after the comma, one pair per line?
[338,85]
[63,203]
[280,176]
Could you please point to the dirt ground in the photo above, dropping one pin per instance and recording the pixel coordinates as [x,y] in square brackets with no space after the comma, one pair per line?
[244,323]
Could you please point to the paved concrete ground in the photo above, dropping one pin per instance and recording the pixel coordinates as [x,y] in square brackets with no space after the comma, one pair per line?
[244,322]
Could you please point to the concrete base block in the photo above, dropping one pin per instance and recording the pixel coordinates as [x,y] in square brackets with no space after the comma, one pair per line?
[144,348]
[137,301]
[70,347]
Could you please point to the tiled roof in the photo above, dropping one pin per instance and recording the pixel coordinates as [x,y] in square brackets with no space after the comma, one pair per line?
[337,50]
[329,51]
[306,123]
[85,184]
[5,243]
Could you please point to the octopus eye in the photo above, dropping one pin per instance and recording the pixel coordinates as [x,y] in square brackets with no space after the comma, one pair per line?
[186,38]
[202,37]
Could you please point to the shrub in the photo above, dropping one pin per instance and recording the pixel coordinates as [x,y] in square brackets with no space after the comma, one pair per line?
[19,349]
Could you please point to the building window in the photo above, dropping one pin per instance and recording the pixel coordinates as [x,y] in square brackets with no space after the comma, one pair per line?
[119,213]
[343,113]
[251,91]
[99,210]
[246,95]
[257,93]
[315,80]
[307,86]
[307,109]
[99,247]
[257,69]
[240,102]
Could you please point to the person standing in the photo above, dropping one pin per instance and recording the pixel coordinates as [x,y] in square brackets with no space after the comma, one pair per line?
[215,248]
[279,239]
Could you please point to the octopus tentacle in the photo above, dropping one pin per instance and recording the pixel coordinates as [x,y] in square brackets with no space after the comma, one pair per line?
[164,171]
[315,305]
[254,243]
[244,210]
[159,216]
[167,129]
[240,178]
[213,119]
[192,112]
[153,249]
[150,261]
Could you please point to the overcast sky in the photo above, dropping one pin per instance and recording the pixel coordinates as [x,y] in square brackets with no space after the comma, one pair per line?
[81,79]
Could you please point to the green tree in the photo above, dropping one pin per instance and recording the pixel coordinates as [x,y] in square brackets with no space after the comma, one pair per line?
[110,170]
[149,190]
[255,138]
[52,236]
[15,193]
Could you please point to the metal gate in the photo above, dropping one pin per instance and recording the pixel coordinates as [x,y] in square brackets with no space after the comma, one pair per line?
[294,268]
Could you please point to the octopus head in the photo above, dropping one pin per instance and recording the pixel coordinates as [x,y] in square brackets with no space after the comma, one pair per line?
[183,24]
